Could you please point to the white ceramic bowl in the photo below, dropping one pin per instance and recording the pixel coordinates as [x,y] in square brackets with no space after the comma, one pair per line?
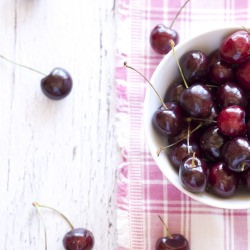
[165,74]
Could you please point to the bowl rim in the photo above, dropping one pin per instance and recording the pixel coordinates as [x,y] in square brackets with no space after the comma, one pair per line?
[205,198]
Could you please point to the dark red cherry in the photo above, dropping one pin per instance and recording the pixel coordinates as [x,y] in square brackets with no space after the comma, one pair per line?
[235,48]
[57,85]
[160,37]
[174,92]
[175,242]
[168,121]
[194,65]
[243,75]
[221,72]
[78,239]
[223,182]
[196,100]
[230,94]
[193,174]
[236,154]
[245,179]
[180,151]
[231,121]
[211,143]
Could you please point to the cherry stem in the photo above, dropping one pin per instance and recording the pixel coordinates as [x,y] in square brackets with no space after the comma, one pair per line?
[178,13]
[193,164]
[172,44]
[36,205]
[21,65]
[55,210]
[188,137]
[173,144]
[165,228]
[247,30]
[162,102]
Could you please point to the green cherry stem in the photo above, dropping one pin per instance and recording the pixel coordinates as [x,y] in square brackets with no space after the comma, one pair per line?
[172,44]
[151,85]
[21,65]
[166,230]
[37,205]
[178,13]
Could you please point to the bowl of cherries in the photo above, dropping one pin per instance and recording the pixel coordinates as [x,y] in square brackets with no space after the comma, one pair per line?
[197,117]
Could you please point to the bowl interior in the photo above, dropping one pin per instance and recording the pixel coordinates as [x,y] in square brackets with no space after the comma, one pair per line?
[165,74]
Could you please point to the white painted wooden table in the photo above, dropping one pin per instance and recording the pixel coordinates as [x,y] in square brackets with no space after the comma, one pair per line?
[59,153]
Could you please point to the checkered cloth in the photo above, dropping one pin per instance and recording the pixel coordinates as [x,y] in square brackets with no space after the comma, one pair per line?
[143,192]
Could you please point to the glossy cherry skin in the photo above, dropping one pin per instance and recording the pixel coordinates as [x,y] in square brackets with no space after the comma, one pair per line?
[234,48]
[236,154]
[57,85]
[231,121]
[229,94]
[243,75]
[174,92]
[221,72]
[211,143]
[196,100]
[223,182]
[245,179]
[78,239]
[160,37]
[168,121]
[193,174]
[176,242]
[194,65]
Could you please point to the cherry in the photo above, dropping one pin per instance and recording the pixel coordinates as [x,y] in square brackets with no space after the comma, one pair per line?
[236,154]
[197,100]
[223,182]
[173,93]
[194,65]
[234,48]
[76,238]
[168,121]
[177,242]
[220,72]
[161,35]
[211,143]
[57,85]
[243,75]
[229,94]
[171,241]
[193,174]
[245,179]
[231,121]
[180,151]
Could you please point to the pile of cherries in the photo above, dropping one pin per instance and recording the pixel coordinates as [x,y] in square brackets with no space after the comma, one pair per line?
[206,118]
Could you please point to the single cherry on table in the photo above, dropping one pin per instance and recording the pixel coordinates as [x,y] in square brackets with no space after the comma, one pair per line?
[76,238]
[56,85]
[171,241]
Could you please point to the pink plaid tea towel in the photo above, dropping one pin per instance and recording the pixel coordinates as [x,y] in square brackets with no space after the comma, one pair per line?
[143,192]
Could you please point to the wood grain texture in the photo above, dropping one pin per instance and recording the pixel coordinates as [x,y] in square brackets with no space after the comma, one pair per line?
[59,153]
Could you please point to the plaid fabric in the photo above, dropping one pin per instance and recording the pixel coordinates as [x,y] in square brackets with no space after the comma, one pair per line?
[143,192]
